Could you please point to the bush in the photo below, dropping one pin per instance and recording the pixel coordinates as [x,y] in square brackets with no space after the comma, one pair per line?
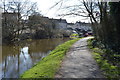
[105,62]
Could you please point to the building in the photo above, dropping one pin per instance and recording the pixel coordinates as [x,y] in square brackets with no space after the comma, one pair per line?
[59,23]
[11,16]
[79,25]
[80,28]
[55,23]
[70,25]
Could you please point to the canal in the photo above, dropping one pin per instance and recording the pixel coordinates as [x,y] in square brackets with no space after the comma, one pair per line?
[20,57]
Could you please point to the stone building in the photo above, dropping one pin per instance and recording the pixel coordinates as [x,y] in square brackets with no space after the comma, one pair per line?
[59,23]
[83,26]
[11,16]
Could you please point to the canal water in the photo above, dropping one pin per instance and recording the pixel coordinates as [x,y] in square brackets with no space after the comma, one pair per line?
[20,57]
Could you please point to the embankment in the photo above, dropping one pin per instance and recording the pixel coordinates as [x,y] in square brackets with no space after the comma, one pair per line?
[49,65]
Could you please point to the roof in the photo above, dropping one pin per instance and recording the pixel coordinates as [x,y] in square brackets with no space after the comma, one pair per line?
[70,23]
[82,23]
[10,13]
[59,20]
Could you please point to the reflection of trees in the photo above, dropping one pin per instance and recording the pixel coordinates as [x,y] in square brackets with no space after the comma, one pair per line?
[10,57]
[10,51]
[18,60]
[35,46]
[44,45]
[5,63]
[37,50]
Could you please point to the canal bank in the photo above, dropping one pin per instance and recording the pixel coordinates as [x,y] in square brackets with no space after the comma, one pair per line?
[49,65]
[107,64]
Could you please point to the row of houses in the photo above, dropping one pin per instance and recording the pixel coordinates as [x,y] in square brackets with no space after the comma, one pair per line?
[62,24]
[59,23]
[80,25]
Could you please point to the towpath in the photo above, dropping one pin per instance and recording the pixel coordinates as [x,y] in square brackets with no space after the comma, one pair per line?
[79,63]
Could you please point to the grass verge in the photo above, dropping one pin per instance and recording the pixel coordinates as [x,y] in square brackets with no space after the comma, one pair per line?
[49,65]
[109,70]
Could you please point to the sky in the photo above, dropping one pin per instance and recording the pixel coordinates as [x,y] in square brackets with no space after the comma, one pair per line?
[45,5]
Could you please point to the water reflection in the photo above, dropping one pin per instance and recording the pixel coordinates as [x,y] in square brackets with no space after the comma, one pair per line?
[18,58]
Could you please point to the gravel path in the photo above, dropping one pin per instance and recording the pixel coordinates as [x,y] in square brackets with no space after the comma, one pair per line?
[79,63]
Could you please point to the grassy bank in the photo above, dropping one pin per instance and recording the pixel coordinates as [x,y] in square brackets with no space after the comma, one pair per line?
[49,65]
[105,63]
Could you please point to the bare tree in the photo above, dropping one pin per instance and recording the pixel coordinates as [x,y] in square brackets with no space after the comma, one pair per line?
[21,10]
[96,11]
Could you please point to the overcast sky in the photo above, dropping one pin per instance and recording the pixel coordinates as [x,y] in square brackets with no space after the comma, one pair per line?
[44,7]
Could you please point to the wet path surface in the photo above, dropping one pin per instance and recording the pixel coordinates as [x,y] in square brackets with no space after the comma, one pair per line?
[79,63]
